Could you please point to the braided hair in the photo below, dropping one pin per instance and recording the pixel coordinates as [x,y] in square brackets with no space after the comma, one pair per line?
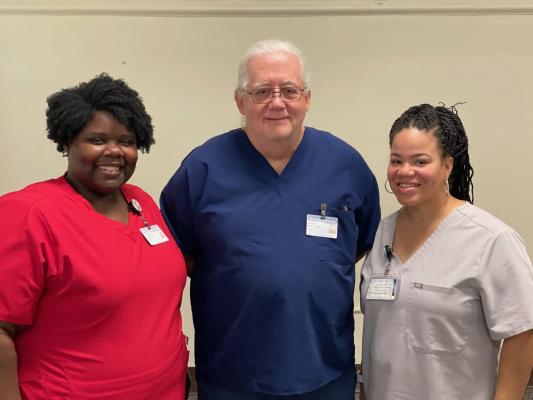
[70,110]
[445,124]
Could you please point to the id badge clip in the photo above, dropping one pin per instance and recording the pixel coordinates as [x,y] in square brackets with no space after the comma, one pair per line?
[152,233]
[384,287]
[322,225]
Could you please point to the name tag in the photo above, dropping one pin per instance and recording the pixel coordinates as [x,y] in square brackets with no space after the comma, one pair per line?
[321,226]
[154,235]
[383,288]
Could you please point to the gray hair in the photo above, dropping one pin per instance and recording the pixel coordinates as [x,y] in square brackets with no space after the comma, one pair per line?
[270,46]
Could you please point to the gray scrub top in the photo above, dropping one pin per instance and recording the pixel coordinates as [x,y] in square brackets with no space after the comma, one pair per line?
[469,286]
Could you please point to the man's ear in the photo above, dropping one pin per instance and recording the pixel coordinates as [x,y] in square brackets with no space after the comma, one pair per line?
[239,100]
[307,99]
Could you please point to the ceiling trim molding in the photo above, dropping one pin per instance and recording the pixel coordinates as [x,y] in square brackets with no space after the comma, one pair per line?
[263,8]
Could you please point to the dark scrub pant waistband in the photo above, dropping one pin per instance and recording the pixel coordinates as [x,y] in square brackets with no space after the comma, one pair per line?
[342,388]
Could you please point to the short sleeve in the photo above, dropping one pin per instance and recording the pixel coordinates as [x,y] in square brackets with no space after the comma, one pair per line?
[367,217]
[179,201]
[24,250]
[506,277]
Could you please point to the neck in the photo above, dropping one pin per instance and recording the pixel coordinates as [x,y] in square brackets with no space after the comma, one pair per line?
[109,204]
[112,204]
[431,213]
[278,153]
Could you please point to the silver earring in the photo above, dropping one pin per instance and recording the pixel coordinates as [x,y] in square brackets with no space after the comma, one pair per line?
[65,153]
[386,188]
[447,186]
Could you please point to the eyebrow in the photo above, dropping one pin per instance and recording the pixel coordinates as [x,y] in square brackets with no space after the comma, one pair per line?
[412,156]
[267,83]
[97,132]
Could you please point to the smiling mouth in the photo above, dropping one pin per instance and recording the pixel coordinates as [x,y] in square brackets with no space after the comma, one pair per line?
[276,118]
[408,185]
[110,169]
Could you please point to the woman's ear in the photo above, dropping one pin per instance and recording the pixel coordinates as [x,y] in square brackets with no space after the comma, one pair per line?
[448,165]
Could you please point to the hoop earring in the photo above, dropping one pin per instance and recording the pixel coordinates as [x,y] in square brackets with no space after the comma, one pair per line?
[447,187]
[386,188]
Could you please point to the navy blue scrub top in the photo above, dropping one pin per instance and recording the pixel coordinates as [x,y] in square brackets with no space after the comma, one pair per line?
[272,307]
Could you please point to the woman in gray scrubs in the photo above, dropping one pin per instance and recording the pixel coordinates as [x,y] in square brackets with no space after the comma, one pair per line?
[445,282]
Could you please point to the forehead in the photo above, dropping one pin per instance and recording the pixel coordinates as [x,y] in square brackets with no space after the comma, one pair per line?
[410,140]
[275,67]
[104,122]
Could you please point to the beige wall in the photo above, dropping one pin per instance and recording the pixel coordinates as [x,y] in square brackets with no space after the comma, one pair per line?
[370,61]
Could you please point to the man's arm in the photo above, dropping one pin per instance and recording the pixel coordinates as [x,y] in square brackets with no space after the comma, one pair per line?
[9,386]
[516,362]
[189,263]
[361,256]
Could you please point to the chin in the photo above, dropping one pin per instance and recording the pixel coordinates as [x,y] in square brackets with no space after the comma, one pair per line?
[407,202]
[110,187]
[275,136]
[285,132]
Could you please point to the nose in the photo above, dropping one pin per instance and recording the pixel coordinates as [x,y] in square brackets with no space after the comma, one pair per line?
[406,170]
[277,100]
[113,148]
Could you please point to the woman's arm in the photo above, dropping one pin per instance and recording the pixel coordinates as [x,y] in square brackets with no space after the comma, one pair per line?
[9,385]
[361,391]
[362,395]
[516,361]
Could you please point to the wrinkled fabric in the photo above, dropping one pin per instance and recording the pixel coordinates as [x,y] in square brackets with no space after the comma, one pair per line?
[97,305]
[272,307]
[469,286]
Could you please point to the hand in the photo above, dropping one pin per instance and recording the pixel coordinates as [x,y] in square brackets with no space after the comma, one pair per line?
[9,387]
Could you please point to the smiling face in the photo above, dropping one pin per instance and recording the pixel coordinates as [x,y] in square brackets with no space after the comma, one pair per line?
[417,171]
[278,120]
[102,156]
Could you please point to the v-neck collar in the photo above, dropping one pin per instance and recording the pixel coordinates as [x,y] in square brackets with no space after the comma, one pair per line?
[129,228]
[262,163]
[388,234]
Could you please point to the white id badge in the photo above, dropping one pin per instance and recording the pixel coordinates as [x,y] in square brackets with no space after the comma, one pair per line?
[383,288]
[154,235]
[321,226]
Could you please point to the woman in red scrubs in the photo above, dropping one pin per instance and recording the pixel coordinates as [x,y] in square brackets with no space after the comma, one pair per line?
[90,278]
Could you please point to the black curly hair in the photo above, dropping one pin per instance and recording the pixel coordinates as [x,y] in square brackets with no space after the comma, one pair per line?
[70,110]
[445,124]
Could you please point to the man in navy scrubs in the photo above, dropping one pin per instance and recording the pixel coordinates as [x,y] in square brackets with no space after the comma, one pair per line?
[272,218]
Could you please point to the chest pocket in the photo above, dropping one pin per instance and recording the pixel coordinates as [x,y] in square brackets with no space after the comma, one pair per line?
[439,319]
[343,249]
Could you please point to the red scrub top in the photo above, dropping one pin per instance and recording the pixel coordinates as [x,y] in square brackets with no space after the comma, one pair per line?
[97,306]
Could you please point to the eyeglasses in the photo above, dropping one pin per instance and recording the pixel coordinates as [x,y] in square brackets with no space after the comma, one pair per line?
[266,94]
